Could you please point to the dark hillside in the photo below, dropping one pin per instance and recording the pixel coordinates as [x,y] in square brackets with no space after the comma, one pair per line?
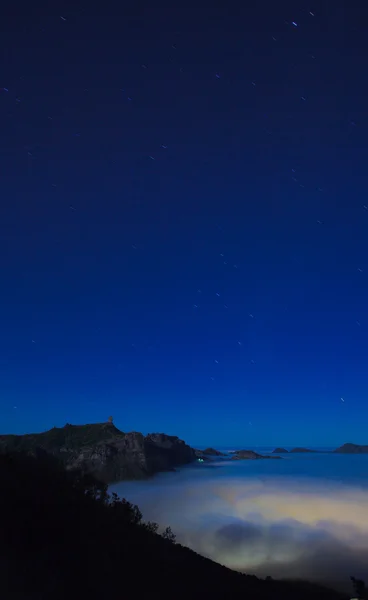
[62,539]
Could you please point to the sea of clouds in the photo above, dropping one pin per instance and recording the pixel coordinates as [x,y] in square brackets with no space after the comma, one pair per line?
[285,528]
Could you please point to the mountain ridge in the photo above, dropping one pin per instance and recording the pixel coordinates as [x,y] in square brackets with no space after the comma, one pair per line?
[109,454]
[104,451]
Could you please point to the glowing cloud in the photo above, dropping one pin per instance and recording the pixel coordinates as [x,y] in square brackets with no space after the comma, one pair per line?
[284,528]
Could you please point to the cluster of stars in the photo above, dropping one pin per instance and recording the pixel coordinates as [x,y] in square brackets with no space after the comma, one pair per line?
[154,157]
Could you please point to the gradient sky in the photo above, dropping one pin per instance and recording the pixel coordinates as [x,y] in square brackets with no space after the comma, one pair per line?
[183,229]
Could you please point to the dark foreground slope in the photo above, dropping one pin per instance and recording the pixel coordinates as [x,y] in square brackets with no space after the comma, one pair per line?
[104,451]
[61,538]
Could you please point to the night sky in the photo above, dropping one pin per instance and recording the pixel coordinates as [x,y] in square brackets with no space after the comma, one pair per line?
[184,220]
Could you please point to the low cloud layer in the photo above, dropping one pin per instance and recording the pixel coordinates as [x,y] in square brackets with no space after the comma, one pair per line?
[285,528]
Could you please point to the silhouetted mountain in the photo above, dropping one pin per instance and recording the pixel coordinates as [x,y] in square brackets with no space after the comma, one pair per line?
[249,455]
[62,537]
[211,452]
[280,451]
[104,451]
[352,449]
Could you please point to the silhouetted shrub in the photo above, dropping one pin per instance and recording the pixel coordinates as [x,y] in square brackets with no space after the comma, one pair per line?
[168,534]
[360,590]
[150,526]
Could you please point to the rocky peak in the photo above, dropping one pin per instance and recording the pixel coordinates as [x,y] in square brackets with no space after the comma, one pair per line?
[105,451]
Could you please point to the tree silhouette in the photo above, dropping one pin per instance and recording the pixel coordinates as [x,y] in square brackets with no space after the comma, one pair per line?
[360,590]
[150,526]
[168,534]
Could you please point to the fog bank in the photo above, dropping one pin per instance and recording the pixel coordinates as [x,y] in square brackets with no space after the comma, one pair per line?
[286,528]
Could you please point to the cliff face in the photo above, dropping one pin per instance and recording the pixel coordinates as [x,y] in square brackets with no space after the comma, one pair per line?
[105,451]
[165,452]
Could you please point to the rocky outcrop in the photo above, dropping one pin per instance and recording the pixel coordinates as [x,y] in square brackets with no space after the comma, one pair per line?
[212,452]
[280,451]
[208,454]
[164,452]
[250,455]
[352,449]
[105,451]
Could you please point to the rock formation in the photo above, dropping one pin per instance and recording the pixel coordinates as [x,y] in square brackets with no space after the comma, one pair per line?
[105,451]
[280,451]
[250,455]
[352,449]
[212,452]
[208,454]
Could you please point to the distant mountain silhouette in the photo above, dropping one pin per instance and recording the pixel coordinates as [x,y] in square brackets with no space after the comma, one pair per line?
[104,451]
[344,449]
[209,452]
[250,455]
[109,454]
[352,449]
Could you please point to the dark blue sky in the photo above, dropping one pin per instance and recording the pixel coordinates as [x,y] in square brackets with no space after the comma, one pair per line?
[183,236]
